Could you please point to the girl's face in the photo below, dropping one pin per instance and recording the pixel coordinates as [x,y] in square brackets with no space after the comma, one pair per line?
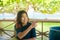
[24,18]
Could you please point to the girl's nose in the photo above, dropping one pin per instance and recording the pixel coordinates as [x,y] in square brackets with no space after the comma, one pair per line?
[22,18]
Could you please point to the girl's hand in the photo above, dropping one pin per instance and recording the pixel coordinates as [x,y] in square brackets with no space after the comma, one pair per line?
[33,24]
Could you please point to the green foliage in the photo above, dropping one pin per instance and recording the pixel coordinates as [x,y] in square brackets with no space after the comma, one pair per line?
[44,6]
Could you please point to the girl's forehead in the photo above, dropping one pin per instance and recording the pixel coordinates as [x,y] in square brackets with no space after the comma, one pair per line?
[24,14]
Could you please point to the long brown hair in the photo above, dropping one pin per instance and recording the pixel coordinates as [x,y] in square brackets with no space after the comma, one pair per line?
[19,16]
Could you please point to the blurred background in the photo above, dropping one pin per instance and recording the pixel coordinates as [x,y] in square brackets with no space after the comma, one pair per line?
[46,12]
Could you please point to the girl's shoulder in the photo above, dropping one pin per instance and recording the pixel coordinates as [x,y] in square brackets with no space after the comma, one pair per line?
[17,26]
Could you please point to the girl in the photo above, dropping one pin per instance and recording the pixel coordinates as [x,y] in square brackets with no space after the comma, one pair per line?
[24,29]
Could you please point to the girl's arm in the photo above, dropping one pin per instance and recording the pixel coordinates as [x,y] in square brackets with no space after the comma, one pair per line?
[32,38]
[24,33]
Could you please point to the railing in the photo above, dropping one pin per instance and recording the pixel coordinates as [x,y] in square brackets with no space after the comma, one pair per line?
[39,20]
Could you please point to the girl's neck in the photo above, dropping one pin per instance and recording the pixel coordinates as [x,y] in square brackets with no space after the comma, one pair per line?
[24,24]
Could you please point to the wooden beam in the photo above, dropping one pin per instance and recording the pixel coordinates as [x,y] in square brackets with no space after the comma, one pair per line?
[39,20]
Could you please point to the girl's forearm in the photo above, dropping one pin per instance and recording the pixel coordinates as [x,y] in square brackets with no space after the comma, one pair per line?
[32,38]
[22,34]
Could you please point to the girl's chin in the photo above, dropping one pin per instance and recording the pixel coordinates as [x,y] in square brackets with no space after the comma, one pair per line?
[24,22]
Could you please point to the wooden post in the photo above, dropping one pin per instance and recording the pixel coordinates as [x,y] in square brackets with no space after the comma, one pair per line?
[0,28]
[42,31]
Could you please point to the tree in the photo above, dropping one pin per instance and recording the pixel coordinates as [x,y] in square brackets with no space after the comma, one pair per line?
[44,6]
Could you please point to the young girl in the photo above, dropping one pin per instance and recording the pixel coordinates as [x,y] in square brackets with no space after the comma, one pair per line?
[24,29]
